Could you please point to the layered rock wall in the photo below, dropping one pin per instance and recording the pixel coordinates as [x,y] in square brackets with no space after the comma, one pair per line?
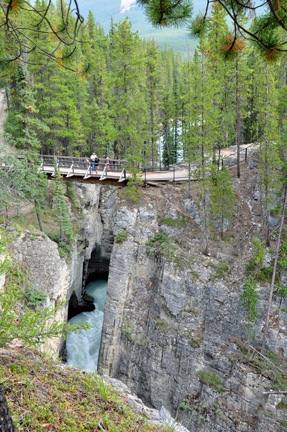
[170,317]
[54,276]
[172,314]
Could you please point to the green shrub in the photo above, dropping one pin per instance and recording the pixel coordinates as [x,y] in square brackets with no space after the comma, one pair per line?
[184,406]
[221,270]
[276,210]
[127,331]
[178,223]
[282,405]
[161,245]
[33,297]
[251,266]
[132,191]
[195,342]
[162,326]
[156,246]
[211,379]
[265,274]
[121,237]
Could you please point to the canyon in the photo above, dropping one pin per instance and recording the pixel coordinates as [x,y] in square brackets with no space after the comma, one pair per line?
[174,327]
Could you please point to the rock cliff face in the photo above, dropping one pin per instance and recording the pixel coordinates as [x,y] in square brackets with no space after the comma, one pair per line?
[51,274]
[48,273]
[174,324]
[173,319]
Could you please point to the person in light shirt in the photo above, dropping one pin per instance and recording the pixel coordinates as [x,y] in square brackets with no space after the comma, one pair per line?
[92,161]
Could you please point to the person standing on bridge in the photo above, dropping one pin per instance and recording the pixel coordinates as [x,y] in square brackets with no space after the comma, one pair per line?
[92,161]
[107,162]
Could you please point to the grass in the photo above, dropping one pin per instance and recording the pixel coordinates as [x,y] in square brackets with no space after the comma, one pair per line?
[44,396]
[221,271]
[164,245]
[259,365]
[121,237]
[180,222]
[211,379]
[162,326]
[196,341]
[282,405]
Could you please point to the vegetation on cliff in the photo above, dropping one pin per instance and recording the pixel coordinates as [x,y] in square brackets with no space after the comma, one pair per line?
[44,395]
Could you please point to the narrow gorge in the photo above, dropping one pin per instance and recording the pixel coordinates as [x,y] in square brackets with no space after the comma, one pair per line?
[174,327]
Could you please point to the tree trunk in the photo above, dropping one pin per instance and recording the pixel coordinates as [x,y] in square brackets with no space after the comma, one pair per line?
[189,174]
[267,166]
[237,122]
[6,422]
[152,133]
[274,273]
[40,222]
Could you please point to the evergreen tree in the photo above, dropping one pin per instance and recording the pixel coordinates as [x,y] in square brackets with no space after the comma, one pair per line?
[269,31]
[267,130]
[66,228]
[22,181]
[153,96]
[216,27]
[22,123]
[222,197]
[249,299]
[128,107]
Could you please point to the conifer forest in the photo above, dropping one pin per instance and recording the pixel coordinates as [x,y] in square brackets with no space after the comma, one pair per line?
[116,94]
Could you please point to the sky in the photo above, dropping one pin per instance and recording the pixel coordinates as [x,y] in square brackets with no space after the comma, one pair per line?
[126,5]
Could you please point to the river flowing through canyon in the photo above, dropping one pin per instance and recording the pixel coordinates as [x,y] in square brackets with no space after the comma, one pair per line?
[83,347]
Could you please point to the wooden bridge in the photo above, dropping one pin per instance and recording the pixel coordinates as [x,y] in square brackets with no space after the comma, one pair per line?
[79,169]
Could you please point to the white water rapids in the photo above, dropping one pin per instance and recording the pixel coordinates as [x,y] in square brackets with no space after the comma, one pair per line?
[83,347]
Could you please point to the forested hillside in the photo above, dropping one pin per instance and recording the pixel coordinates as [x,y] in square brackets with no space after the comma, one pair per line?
[91,96]
[116,95]
[176,38]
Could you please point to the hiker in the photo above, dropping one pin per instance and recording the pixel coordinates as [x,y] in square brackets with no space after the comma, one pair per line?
[107,163]
[92,161]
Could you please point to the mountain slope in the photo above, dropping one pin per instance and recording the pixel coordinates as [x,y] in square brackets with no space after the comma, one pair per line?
[176,38]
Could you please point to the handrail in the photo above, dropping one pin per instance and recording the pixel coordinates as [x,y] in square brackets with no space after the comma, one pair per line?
[70,166]
[80,162]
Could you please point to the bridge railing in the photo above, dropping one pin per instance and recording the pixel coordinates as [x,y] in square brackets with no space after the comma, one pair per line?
[81,162]
[244,154]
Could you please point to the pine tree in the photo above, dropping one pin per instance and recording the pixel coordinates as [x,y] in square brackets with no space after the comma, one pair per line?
[222,197]
[128,106]
[216,27]
[153,96]
[23,182]
[22,124]
[66,228]
[249,299]
[267,133]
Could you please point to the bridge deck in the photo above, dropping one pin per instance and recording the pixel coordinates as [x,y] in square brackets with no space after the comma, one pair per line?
[79,169]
